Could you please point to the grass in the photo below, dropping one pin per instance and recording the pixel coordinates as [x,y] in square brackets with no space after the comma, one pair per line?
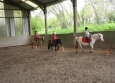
[92,28]
[96,28]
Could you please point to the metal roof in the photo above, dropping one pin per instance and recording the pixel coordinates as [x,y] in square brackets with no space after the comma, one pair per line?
[25,4]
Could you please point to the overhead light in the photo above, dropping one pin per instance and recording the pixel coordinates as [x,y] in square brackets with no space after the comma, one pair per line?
[23,0]
[31,3]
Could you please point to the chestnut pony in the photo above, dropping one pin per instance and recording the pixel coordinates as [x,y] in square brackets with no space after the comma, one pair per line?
[37,43]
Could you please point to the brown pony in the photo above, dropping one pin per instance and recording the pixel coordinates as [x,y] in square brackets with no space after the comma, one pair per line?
[33,42]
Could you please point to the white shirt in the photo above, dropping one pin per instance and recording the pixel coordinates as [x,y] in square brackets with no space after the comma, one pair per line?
[87,34]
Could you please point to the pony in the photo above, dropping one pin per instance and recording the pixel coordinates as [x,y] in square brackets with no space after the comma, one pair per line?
[39,42]
[50,44]
[81,41]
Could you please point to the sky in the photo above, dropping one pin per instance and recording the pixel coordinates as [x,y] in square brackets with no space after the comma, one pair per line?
[80,5]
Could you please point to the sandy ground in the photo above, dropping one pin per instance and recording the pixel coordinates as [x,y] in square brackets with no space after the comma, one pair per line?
[22,64]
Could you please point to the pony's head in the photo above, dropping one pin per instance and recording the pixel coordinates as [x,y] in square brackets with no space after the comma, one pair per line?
[59,41]
[42,38]
[100,37]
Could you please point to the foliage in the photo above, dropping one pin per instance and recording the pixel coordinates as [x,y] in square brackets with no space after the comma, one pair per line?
[52,23]
[87,12]
[37,24]
[92,28]
[96,28]
[98,15]
[61,30]
[111,16]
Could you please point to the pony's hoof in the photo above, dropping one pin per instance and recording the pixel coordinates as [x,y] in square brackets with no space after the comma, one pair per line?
[92,51]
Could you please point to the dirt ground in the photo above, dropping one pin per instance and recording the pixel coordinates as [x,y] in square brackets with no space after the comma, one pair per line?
[22,64]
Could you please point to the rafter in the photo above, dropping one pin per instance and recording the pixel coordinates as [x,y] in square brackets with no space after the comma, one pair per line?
[21,2]
[54,2]
[16,5]
[41,5]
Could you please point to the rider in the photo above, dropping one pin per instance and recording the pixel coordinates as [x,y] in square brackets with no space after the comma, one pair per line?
[54,37]
[36,35]
[87,34]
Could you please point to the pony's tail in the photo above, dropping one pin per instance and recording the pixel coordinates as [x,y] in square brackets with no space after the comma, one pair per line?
[31,42]
[49,45]
[76,43]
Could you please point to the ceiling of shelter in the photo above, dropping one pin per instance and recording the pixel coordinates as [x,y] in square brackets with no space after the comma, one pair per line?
[31,4]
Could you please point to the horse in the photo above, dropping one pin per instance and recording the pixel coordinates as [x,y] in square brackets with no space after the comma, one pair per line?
[39,42]
[81,41]
[50,44]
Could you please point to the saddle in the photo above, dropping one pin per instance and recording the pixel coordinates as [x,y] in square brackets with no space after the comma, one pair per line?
[52,42]
[85,40]
[36,40]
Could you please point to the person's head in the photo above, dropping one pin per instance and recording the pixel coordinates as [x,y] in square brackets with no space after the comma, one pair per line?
[54,33]
[35,31]
[86,28]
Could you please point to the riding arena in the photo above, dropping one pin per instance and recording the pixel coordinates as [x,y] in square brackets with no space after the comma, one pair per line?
[69,59]
[24,64]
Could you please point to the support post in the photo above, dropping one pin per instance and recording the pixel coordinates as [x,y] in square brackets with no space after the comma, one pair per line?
[75,16]
[29,23]
[45,16]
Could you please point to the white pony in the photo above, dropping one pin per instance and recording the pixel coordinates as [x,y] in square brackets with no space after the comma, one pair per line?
[79,41]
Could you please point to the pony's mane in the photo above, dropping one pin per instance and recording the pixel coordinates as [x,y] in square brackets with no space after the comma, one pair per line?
[41,36]
[59,39]
[97,34]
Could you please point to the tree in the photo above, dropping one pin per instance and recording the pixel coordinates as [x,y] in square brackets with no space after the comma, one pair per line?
[61,12]
[53,23]
[37,23]
[113,3]
[111,16]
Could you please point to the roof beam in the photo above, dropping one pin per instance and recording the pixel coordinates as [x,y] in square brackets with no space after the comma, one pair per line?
[41,5]
[54,2]
[16,5]
[22,2]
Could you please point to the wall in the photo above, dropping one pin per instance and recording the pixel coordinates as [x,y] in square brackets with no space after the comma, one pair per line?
[67,40]
[14,41]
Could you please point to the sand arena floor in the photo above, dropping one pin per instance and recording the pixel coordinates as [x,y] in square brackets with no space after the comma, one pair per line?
[22,64]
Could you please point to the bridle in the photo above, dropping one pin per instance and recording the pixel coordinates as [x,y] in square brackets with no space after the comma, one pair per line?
[42,38]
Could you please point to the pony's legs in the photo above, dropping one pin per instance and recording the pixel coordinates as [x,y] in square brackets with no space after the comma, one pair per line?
[77,45]
[32,45]
[51,48]
[81,47]
[78,49]
[36,46]
[55,48]
[91,47]
[40,46]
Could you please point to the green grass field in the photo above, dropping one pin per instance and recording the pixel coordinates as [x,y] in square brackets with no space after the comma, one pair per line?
[92,28]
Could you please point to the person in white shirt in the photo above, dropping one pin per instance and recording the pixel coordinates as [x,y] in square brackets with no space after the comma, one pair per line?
[87,34]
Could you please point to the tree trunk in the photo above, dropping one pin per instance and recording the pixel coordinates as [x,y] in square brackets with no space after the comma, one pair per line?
[95,14]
